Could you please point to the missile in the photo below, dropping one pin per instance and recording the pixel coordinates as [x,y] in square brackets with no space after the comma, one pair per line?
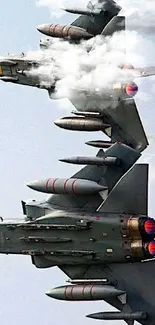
[88,281]
[80,11]
[81,124]
[66,186]
[64,31]
[100,144]
[118,316]
[6,62]
[87,114]
[9,79]
[108,161]
[84,292]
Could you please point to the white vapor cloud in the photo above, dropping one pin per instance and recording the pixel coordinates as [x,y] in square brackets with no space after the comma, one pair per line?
[77,71]
[141,13]
[72,67]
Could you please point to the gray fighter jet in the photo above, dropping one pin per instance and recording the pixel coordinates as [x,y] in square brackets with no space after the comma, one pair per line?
[96,229]
[114,112]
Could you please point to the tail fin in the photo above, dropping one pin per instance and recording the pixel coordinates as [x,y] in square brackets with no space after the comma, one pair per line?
[104,175]
[116,24]
[90,5]
[100,154]
[95,24]
[130,195]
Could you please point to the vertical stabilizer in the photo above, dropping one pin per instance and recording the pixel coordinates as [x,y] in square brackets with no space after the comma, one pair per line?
[130,194]
[117,24]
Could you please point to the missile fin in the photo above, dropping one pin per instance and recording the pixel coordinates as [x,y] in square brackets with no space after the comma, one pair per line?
[130,321]
[108,131]
[123,298]
[101,153]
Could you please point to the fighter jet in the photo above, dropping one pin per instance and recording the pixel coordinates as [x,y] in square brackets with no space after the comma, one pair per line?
[114,111]
[95,228]
[16,68]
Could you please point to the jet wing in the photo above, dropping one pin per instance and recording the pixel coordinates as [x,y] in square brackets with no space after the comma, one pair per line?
[122,116]
[137,280]
[127,125]
[17,69]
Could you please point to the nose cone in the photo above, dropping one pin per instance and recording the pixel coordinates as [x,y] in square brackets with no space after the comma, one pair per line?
[43,29]
[36,185]
[59,122]
[56,293]
[49,293]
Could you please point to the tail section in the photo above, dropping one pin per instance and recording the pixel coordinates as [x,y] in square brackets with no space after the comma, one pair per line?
[117,24]
[94,24]
[130,195]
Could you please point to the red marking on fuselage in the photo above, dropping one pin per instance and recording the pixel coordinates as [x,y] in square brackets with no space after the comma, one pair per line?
[72,295]
[53,185]
[73,186]
[66,292]
[83,290]
[91,294]
[65,184]
[46,186]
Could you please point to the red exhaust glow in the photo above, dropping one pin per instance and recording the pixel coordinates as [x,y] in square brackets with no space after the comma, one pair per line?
[149,226]
[151,248]
[131,89]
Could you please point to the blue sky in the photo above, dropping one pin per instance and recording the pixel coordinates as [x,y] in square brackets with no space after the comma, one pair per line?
[30,146]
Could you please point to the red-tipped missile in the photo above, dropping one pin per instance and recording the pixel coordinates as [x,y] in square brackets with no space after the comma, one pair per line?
[84,292]
[64,31]
[66,186]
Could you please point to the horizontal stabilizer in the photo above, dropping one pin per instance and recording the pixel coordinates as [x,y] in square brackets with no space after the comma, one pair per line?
[130,195]
[144,72]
